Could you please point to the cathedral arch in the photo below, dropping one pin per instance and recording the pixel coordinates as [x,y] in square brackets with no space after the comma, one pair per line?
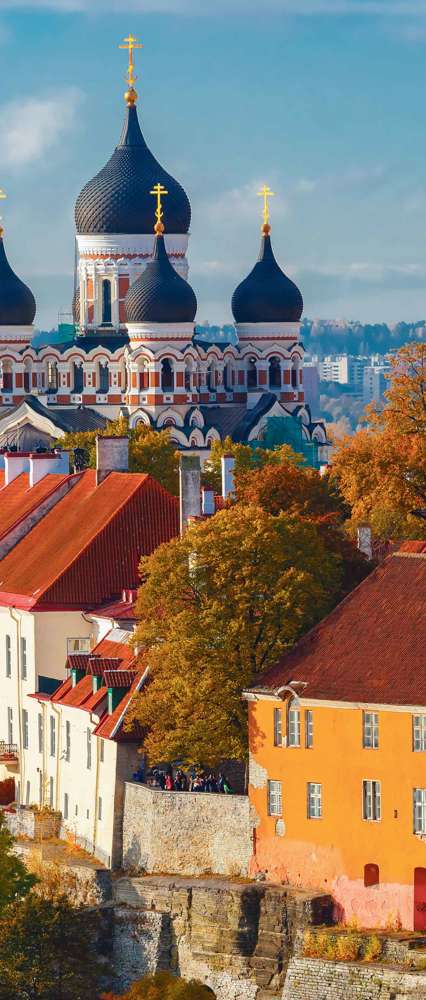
[196,419]
[170,418]
[77,377]
[102,381]
[28,371]
[196,438]
[139,417]
[52,379]
[7,375]
[211,377]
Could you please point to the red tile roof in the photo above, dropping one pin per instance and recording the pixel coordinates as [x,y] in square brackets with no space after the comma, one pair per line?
[418,547]
[111,726]
[18,500]
[89,546]
[119,678]
[118,611]
[371,648]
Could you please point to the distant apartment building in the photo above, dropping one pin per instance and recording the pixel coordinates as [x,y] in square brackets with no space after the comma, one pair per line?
[344,369]
[374,382]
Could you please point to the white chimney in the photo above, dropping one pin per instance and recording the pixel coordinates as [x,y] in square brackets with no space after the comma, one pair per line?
[365,540]
[49,462]
[228,464]
[112,455]
[15,463]
[189,489]
[207,501]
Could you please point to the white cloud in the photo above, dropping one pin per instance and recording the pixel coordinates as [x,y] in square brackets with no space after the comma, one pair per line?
[30,129]
[399,8]
[241,203]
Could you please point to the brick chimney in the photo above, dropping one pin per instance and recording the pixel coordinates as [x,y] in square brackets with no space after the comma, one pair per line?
[365,540]
[112,455]
[228,464]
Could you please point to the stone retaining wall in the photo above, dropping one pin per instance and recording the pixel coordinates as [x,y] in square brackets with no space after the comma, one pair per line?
[313,979]
[185,833]
[33,825]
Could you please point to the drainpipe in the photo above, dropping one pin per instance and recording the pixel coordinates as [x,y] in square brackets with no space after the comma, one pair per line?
[44,754]
[57,749]
[17,622]
[95,815]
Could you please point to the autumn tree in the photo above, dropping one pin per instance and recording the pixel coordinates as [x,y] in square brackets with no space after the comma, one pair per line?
[150,451]
[246,459]
[15,880]
[163,986]
[405,412]
[217,607]
[48,951]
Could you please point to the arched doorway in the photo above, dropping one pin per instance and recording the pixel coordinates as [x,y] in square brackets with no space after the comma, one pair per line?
[371,875]
[420,899]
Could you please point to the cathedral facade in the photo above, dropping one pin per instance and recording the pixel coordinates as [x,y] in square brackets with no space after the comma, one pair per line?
[134,351]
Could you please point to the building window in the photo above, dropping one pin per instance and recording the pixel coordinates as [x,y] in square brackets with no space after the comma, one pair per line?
[102,751]
[370,730]
[10,725]
[52,736]
[106,302]
[275,373]
[66,806]
[103,385]
[51,792]
[419,807]
[274,798]
[371,795]
[68,740]
[251,374]
[76,810]
[278,727]
[40,788]
[89,748]
[371,875]
[79,645]
[77,379]
[309,729]
[167,376]
[419,732]
[293,727]
[314,800]
[40,733]
[23,659]
[52,377]
[25,729]
[8,651]
[99,808]
[87,814]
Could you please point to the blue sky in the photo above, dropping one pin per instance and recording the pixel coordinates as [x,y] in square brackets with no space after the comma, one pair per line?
[322,99]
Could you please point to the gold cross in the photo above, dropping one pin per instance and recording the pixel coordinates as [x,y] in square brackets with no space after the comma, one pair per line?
[266,193]
[158,190]
[131,43]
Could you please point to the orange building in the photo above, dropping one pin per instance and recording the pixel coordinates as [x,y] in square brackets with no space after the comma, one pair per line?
[338,752]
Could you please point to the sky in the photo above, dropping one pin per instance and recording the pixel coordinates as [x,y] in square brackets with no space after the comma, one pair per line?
[324,100]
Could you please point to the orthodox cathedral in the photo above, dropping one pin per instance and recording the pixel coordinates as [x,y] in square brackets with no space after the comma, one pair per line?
[134,351]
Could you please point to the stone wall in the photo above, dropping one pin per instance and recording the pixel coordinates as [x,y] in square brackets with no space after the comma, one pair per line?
[313,979]
[235,937]
[189,833]
[32,825]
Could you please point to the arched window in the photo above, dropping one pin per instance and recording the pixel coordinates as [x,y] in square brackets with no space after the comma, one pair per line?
[52,376]
[143,377]
[275,379]
[251,374]
[371,875]
[77,378]
[27,376]
[211,378]
[167,377]
[106,302]
[188,376]
[103,383]
[227,377]
[7,376]
[295,374]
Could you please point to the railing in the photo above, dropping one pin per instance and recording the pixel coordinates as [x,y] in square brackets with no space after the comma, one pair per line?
[8,751]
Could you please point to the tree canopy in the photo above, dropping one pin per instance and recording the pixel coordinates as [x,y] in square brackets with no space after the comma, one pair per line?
[218,606]
[163,986]
[150,451]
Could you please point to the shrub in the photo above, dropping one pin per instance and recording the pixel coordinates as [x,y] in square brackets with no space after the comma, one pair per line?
[372,949]
[347,948]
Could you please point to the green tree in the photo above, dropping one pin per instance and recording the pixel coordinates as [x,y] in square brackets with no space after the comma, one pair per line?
[163,986]
[15,880]
[48,951]
[149,450]
[218,606]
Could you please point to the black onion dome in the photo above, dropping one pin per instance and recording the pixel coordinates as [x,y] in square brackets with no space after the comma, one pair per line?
[267,295]
[117,200]
[160,295]
[17,302]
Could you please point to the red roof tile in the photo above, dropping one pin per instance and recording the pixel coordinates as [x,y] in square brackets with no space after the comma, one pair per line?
[119,678]
[418,547]
[18,500]
[111,726]
[118,610]
[89,546]
[371,648]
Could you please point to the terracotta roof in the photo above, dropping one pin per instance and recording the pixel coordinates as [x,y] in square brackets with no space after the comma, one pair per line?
[74,697]
[371,648]
[119,678]
[111,726]
[418,547]
[97,665]
[18,499]
[78,661]
[118,611]
[89,546]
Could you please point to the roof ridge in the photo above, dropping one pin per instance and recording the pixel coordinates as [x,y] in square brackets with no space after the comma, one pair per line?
[407,555]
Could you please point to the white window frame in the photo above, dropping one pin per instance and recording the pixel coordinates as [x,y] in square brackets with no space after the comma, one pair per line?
[371,800]
[309,728]
[293,726]
[78,644]
[278,727]
[275,801]
[8,655]
[314,800]
[40,724]
[10,725]
[88,748]
[370,730]
[419,733]
[419,811]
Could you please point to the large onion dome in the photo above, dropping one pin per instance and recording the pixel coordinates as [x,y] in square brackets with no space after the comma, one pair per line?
[118,199]
[267,295]
[17,302]
[160,295]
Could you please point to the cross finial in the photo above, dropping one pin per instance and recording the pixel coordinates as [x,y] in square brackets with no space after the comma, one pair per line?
[2,196]
[158,190]
[130,44]
[266,193]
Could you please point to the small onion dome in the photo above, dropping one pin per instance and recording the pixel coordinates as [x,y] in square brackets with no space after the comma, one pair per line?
[267,295]
[118,199]
[160,295]
[17,302]
[76,306]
